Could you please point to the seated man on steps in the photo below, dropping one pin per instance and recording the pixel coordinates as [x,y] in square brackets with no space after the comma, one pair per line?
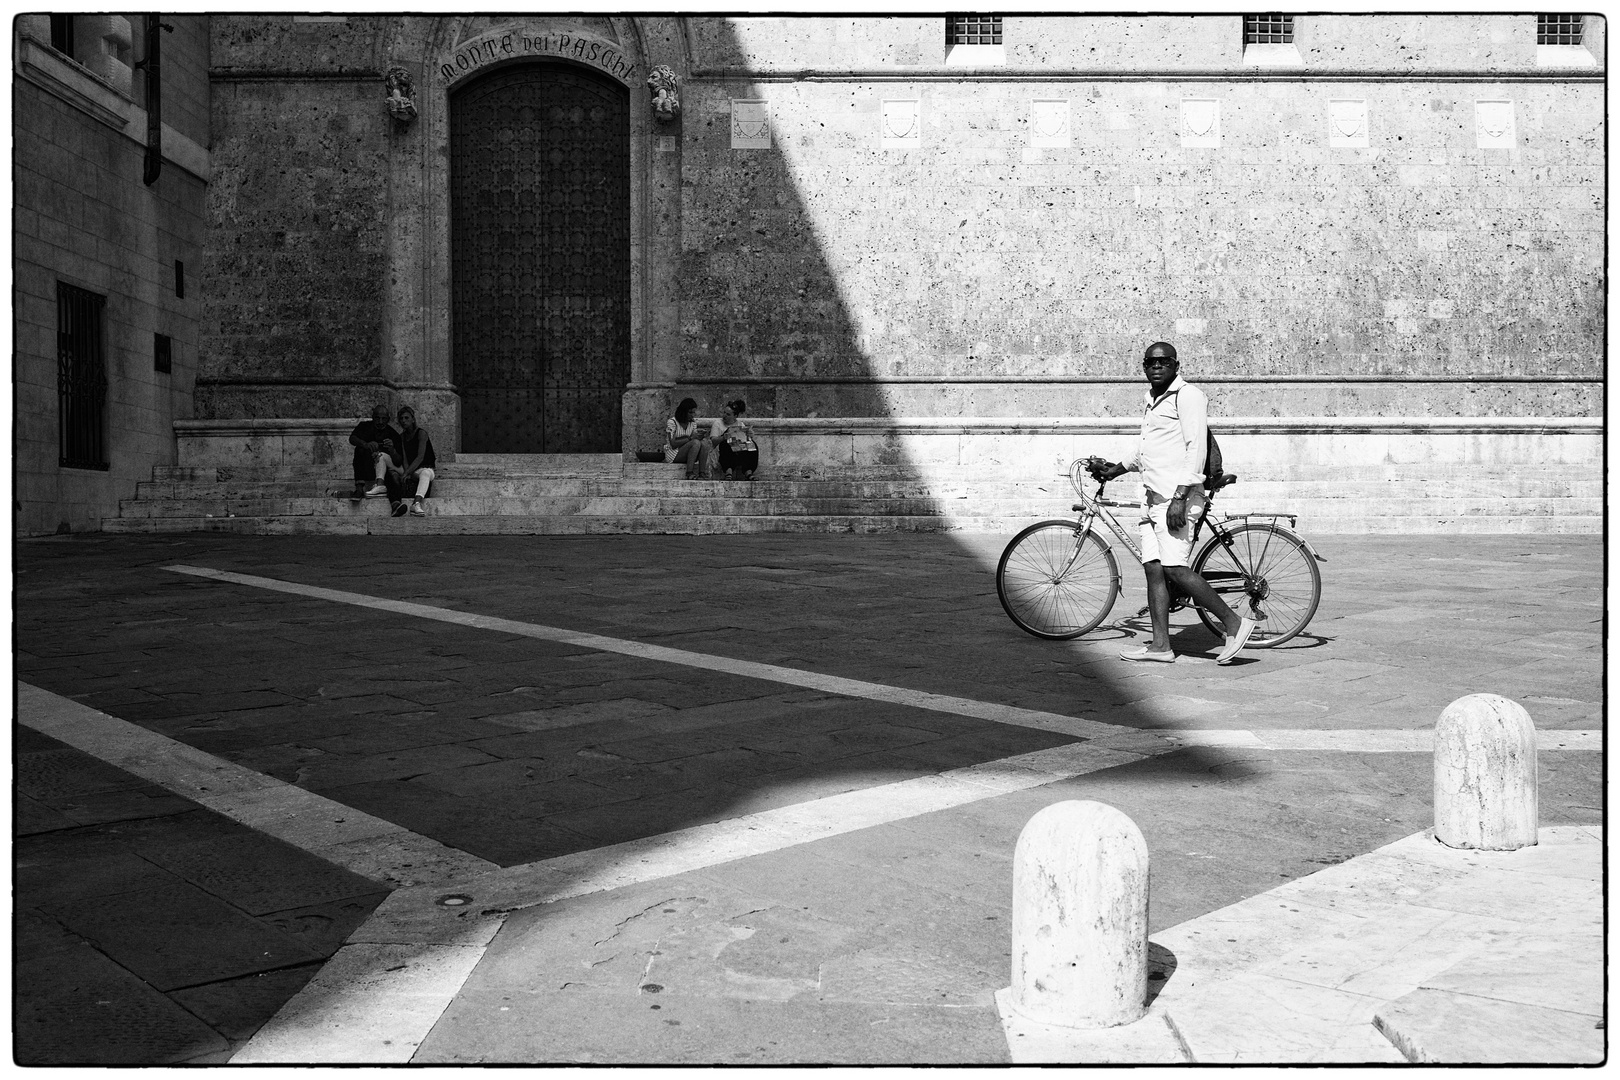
[1170,457]
[416,459]
[375,446]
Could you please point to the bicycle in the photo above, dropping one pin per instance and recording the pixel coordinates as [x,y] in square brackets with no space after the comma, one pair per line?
[1058,579]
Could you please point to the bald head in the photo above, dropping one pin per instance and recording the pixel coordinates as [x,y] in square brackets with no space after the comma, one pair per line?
[1160,349]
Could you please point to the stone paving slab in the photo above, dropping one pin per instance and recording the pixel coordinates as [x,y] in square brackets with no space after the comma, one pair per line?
[286,682]
[165,938]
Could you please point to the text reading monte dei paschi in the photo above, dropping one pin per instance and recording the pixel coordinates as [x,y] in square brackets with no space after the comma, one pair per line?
[586,50]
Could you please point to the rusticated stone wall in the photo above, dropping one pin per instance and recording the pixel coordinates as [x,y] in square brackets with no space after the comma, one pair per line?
[1420,275]
[297,212]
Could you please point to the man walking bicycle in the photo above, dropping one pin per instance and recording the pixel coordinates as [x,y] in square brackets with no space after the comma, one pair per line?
[1170,457]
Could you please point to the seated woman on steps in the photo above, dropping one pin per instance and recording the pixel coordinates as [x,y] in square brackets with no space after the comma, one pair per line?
[739,454]
[682,442]
[416,460]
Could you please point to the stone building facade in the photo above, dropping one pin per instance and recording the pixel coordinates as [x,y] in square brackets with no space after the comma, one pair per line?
[1384,236]
[96,246]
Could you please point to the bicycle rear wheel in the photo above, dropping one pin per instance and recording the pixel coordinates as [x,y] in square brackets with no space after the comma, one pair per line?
[1266,574]
[1057,582]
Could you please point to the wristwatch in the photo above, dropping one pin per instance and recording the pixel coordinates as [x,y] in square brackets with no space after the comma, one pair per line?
[1180,495]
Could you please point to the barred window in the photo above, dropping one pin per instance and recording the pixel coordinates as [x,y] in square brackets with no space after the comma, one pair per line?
[81,377]
[973,30]
[62,34]
[1268,29]
[1559,29]
[179,279]
[162,352]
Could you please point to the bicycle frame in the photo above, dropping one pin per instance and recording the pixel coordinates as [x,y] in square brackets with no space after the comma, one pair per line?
[1094,508]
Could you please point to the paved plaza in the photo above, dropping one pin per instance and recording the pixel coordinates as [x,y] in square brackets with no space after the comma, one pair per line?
[754,799]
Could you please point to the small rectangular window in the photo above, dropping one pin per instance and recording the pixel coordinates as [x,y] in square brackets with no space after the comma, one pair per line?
[180,279]
[1559,29]
[161,353]
[62,34]
[1270,29]
[973,30]
[81,378]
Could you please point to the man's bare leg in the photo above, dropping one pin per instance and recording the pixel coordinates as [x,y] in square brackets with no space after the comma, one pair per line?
[1159,604]
[1196,587]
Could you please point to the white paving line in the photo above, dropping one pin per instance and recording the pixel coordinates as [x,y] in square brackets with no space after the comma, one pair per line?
[832,684]
[1359,740]
[369,846]
[414,950]
[379,996]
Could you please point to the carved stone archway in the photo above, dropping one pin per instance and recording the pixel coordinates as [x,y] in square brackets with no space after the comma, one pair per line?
[440,53]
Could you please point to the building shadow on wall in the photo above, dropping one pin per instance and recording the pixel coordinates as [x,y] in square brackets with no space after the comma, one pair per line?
[798,278]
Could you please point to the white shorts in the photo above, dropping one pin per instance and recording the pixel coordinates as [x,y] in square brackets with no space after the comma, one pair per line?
[1159,543]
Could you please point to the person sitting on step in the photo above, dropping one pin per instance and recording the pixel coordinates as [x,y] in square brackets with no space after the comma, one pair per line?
[375,445]
[416,459]
[739,454]
[683,442]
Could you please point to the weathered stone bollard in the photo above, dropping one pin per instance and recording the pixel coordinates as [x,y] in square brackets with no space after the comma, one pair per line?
[1485,775]
[1080,917]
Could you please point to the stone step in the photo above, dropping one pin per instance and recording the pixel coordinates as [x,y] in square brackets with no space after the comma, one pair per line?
[457,484]
[619,506]
[478,524]
[762,506]
[542,464]
[338,475]
[375,524]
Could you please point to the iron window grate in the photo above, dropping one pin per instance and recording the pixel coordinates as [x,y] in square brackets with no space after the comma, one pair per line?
[973,30]
[81,377]
[62,34]
[1268,29]
[1559,29]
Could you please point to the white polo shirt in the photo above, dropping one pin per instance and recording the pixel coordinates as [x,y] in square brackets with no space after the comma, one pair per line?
[1175,428]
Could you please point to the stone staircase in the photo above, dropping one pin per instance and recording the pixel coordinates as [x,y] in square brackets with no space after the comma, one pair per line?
[601,493]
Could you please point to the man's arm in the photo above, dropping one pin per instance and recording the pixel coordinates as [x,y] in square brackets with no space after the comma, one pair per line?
[356,440]
[1193,407]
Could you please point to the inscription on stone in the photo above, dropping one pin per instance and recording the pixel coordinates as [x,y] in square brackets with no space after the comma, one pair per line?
[512,45]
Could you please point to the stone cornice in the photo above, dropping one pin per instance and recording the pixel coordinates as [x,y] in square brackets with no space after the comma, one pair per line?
[1241,75]
[1109,380]
[981,425]
[72,83]
[1256,425]
[290,75]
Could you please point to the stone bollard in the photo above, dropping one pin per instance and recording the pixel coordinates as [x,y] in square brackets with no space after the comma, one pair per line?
[1485,775]
[1080,917]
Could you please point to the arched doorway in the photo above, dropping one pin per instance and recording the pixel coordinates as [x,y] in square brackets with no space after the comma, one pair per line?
[540,259]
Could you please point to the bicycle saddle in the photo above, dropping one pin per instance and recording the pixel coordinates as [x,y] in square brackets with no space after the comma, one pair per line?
[1219,482]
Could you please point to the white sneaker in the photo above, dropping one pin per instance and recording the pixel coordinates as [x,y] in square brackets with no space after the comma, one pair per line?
[376,491]
[1236,642]
[1145,654]
[416,508]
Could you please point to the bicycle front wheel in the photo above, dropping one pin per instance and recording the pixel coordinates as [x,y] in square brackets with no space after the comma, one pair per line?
[1264,573]
[1056,581]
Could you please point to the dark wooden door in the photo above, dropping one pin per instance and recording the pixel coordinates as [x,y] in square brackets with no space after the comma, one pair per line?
[540,259]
